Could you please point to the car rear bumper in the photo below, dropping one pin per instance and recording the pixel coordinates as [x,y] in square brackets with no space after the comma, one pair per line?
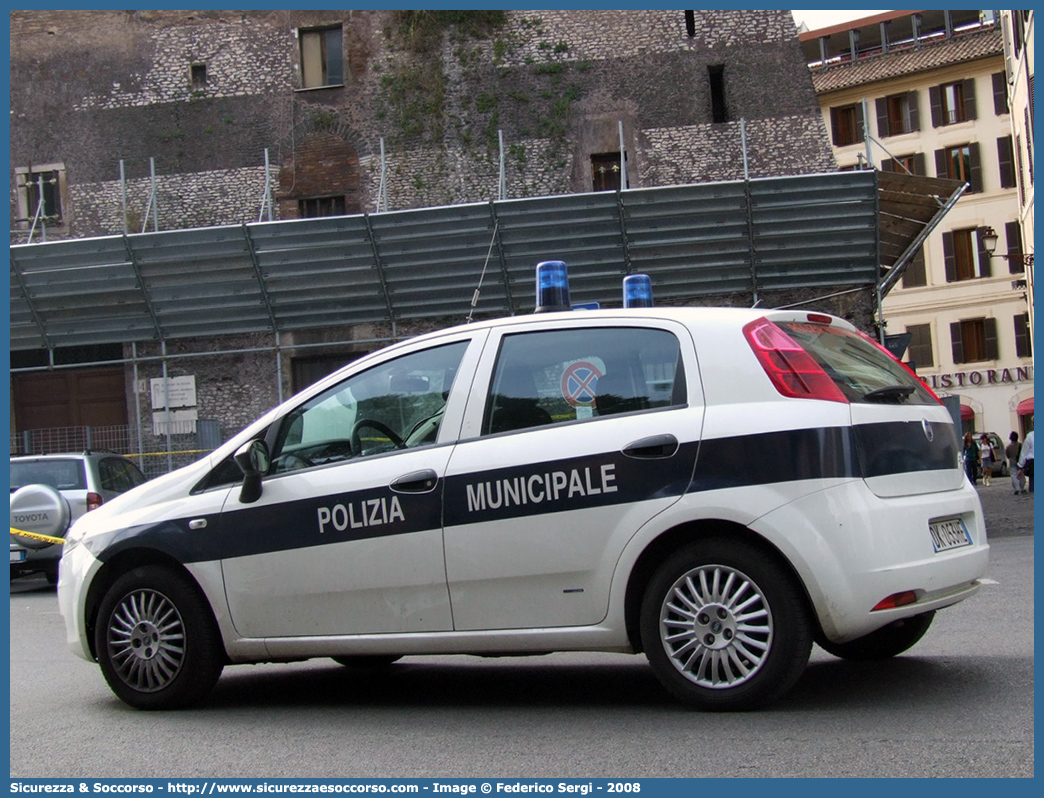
[863,548]
[28,561]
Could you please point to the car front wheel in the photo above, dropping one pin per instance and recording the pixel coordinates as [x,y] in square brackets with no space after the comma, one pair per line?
[724,626]
[156,640]
[888,641]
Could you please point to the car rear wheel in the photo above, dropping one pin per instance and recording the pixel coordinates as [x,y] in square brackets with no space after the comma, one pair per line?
[156,640]
[888,641]
[724,627]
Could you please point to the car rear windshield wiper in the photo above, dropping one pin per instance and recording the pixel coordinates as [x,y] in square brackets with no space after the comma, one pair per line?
[890,394]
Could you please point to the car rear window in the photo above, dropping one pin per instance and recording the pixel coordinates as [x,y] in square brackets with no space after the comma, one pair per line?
[861,370]
[59,474]
[119,475]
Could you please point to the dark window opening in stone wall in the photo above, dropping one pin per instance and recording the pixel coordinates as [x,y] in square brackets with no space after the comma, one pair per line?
[34,185]
[199,76]
[322,206]
[605,169]
[690,23]
[307,370]
[716,74]
[322,58]
[97,354]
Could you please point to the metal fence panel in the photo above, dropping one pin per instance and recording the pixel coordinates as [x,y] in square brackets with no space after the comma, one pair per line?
[703,239]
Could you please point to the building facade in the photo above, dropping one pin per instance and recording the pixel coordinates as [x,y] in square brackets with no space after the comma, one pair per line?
[931,93]
[141,120]
[125,122]
[1017,30]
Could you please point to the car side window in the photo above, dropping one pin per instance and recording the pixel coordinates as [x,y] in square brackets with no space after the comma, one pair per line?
[555,376]
[395,405]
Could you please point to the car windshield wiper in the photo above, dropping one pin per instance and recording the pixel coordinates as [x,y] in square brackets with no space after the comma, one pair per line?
[890,393]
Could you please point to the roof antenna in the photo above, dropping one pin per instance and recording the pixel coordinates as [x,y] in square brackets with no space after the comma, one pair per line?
[478,289]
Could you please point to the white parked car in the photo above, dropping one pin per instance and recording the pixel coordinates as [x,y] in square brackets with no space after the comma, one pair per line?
[716,488]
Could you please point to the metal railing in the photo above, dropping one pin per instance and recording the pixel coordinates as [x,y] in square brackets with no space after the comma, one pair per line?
[154,454]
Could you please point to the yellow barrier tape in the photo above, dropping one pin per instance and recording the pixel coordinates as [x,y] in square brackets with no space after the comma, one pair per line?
[36,536]
[164,454]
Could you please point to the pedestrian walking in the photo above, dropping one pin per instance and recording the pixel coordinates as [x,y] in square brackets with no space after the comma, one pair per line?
[1026,461]
[986,459]
[1012,452]
[970,452]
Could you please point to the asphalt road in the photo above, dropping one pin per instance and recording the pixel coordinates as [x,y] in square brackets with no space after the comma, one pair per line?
[1005,513]
[959,704]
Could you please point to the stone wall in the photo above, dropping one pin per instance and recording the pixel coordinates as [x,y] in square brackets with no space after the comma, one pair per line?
[94,89]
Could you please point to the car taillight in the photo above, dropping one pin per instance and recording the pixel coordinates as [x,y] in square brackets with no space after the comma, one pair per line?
[94,501]
[791,369]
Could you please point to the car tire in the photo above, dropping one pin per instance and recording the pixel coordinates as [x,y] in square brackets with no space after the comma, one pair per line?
[886,642]
[156,640]
[367,660]
[724,626]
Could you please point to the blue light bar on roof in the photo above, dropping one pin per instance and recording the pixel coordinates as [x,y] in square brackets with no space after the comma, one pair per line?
[552,286]
[637,291]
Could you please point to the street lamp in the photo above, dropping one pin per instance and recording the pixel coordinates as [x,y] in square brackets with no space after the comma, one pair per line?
[988,236]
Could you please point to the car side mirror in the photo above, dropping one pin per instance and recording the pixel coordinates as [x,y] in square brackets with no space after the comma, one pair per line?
[254,461]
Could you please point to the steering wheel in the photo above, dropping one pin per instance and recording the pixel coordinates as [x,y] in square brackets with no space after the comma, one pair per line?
[380,427]
[292,462]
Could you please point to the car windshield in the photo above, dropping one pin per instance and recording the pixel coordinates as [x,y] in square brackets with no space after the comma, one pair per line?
[59,474]
[863,371]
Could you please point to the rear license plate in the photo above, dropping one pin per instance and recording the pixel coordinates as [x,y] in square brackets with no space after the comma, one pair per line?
[18,555]
[949,534]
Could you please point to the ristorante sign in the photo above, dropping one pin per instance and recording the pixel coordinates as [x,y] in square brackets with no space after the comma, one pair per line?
[984,377]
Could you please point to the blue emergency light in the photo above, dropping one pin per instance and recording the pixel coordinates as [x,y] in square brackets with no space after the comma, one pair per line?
[552,287]
[637,291]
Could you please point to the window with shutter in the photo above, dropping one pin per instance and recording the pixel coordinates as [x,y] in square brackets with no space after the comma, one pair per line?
[1023,347]
[1006,160]
[1013,237]
[919,352]
[847,124]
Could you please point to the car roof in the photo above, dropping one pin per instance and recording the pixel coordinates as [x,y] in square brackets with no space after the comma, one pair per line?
[692,316]
[65,456]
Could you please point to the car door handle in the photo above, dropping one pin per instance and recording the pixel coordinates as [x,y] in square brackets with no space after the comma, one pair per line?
[653,447]
[423,481]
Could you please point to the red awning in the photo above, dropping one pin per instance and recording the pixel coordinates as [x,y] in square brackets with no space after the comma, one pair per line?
[967,414]
[1025,407]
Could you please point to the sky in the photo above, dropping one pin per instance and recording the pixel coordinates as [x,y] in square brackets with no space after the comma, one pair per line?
[822,19]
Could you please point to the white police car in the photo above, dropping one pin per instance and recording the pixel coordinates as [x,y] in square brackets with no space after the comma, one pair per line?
[716,488]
